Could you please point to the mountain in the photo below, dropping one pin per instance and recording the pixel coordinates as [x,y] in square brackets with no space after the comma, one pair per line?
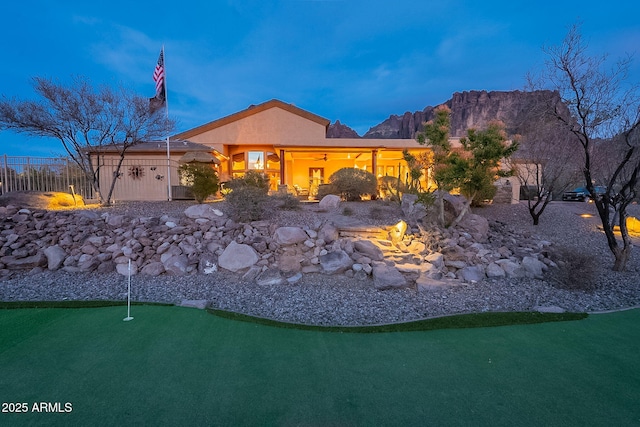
[468,109]
[338,130]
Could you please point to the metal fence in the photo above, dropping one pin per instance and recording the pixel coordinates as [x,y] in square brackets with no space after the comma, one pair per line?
[137,178]
[42,174]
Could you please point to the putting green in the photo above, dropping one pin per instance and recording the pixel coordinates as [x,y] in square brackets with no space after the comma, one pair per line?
[180,366]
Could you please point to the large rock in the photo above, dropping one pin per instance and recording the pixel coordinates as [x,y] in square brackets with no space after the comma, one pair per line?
[366,247]
[290,235]
[290,262]
[153,269]
[176,265]
[328,233]
[123,269]
[329,202]
[533,267]
[55,257]
[511,269]
[411,209]
[472,273]
[270,277]
[13,263]
[237,256]
[476,225]
[493,270]
[387,277]
[335,262]
[202,211]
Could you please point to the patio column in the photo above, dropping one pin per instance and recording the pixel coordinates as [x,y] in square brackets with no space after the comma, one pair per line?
[282,167]
[374,162]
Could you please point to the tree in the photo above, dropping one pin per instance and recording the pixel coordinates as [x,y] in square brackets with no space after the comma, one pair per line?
[202,178]
[605,128]
[545,163]
[479,166]
[475,168]
[85,120]
[436,135]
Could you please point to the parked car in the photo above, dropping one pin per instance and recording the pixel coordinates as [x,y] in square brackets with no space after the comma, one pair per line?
[581,194]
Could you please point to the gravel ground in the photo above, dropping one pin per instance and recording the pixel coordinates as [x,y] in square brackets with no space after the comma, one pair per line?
[589,285]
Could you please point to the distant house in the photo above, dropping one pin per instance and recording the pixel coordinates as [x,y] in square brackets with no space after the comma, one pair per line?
[285,142]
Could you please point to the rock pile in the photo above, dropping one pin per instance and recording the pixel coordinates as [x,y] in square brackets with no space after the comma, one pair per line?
[204,240]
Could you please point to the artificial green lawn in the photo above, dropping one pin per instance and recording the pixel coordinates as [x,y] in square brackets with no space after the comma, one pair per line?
[180,366]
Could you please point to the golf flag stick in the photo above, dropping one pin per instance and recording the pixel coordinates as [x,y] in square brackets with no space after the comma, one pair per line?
[126,319]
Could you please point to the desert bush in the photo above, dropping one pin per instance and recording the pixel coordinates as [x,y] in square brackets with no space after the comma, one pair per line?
[391,188]
[351,184]
[287,201]
[202,179]
[576,270]
[252,179]
[248,203]
[347,211]
[325,190]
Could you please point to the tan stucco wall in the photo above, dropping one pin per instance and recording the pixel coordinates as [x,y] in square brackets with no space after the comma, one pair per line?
[145,187]
[271,127]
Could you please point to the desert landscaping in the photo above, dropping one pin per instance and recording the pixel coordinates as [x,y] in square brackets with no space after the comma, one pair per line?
[349,263]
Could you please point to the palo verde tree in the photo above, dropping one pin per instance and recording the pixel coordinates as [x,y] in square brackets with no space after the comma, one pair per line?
[86,119]
[605,128]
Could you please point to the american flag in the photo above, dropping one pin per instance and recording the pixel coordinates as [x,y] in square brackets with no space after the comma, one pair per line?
[158,77]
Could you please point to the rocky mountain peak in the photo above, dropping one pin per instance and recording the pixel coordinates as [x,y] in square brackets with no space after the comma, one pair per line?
[339,130]
[469,109]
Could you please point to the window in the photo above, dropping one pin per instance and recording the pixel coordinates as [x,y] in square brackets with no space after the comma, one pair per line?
[273,161]
[237,162]
[256,160]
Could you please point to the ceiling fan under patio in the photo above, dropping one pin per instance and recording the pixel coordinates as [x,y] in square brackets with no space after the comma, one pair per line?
[323,157]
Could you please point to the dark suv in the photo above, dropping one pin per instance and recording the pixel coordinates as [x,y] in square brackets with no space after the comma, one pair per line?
[581,194]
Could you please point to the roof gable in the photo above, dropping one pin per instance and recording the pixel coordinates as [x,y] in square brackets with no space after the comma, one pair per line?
[252,110]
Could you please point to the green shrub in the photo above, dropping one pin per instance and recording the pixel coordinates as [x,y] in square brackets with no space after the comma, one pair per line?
[287,202]
[202,179]
[351,184]
[325,190]
[252,179]
[248,204]
[426,198]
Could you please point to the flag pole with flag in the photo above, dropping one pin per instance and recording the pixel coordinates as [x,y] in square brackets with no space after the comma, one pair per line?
[159,101]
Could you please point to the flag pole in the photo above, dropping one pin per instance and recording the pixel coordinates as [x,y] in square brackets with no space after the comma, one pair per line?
[166,103]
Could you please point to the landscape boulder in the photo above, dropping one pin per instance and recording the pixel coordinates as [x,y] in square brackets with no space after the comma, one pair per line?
[202,211]
[290,235]
[387,277]
[367,248]
[237,256]
[55,257]
[335,262]
[329,202]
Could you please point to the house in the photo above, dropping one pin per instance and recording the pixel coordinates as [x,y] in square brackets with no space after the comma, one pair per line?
[285,142]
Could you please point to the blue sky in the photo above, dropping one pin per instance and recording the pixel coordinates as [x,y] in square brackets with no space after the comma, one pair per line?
[357,61]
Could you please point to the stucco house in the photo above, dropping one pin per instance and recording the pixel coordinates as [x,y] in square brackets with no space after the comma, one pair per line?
[287,143]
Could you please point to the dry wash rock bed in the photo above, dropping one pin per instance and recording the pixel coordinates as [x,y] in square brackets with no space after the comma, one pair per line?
[347,298]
